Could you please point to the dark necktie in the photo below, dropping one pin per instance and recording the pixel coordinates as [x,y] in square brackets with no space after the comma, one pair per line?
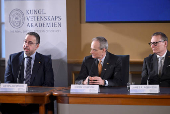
[160,66]
[99,67]
[28,70]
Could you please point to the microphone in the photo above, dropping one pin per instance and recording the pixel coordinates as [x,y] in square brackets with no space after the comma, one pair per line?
[151,59]
[88,81]
[147,81]
[91,73]
[19,72]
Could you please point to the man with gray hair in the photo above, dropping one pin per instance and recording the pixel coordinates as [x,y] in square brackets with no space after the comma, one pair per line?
[100,68]
[156,67]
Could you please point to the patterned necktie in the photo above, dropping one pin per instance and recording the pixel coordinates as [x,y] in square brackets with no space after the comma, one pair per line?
[160,66]
[99,67]
[28,71]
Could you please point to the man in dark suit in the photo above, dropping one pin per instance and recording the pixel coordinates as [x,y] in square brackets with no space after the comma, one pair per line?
[38,73]
[156,67]
[108,73]
[42,72]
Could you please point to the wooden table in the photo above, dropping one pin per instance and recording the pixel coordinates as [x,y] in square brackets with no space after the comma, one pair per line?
[113,96]
[34,95]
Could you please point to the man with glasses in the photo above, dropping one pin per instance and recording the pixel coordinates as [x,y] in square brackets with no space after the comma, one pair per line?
[156,67]
[100,68]
[41,66]
[29,67]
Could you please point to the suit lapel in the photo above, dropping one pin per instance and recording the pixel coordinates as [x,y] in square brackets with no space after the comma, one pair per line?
[105,65]
[37,64]
[21,62]
[154,64]
[166,62]
[94,68]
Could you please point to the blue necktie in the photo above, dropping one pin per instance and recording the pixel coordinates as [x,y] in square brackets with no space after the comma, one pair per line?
[28,71]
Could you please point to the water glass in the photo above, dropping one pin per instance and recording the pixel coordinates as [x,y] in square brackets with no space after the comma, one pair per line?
[128,86]
[133,83]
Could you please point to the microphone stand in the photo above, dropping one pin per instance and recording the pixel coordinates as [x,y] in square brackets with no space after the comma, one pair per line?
[19,72]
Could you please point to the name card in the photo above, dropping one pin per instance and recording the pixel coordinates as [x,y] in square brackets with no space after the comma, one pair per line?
[84,88]
[144,89]
[13,87]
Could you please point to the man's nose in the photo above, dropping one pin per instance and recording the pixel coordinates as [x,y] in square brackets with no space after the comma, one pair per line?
[26,44]
[152,45]
[91,51]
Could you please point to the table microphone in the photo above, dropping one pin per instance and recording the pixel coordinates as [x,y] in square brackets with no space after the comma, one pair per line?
[88,81]
[148,80]
[19,72]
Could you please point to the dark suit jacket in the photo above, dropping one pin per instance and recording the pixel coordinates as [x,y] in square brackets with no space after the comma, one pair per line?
[111,70]
[42,72]
[150,71]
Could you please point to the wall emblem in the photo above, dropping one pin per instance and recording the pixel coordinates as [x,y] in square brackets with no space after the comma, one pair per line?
[16,18]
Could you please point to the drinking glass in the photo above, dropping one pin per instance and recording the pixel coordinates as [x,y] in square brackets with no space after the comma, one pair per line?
[128,86]
[133,83]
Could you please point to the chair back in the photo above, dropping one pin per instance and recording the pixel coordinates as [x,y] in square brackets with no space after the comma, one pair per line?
[125,69]
[48,56]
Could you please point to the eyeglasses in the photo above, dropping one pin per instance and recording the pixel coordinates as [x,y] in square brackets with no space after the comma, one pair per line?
[29,42]
[155,43]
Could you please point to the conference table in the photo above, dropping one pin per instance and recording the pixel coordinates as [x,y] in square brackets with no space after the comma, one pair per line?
[110,96]
[34,95]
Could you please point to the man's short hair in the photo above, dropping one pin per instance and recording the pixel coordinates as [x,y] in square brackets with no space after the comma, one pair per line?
[36,36]
[102,41]
[163,36]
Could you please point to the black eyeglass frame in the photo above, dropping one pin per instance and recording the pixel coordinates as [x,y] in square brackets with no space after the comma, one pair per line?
[29,42]
[155,43]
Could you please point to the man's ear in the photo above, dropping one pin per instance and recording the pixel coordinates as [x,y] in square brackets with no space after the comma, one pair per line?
[37,46]
[104,50]
[166,43]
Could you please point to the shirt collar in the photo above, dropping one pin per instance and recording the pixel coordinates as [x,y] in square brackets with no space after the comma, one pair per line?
[162,55]
[33,56]
[102,59]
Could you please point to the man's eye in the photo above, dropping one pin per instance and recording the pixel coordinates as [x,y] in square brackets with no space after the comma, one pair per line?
[30,43]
